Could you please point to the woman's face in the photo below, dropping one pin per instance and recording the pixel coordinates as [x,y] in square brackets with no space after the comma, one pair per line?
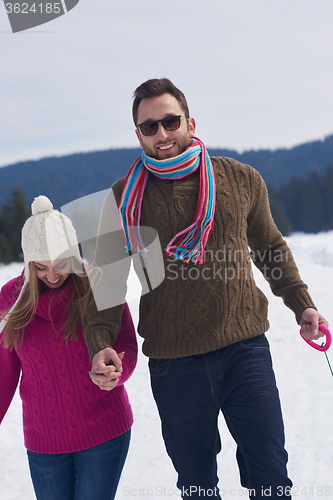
[55,273]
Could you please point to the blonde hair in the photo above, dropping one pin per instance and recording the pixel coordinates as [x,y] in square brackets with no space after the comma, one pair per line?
[25,309]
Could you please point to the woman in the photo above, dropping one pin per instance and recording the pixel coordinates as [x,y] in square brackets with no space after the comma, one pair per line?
[76,435]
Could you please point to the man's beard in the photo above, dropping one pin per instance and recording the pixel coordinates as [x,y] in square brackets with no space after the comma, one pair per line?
[183,144]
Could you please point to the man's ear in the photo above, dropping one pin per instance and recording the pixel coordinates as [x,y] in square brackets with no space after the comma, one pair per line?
[138,136]
[191,126]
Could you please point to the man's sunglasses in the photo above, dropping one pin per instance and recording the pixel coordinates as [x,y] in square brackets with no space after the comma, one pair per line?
[151,127]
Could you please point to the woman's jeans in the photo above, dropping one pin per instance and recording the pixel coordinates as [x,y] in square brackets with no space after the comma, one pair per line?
[83,475]
[238,380]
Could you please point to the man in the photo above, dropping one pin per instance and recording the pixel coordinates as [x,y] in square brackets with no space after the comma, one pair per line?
[203,326]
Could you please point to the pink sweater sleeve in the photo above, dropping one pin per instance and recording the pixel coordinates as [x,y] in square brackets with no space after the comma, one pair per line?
[10,366]
[126,341]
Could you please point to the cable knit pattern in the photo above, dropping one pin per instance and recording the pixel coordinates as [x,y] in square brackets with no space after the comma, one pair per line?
[201,308]
[63,411]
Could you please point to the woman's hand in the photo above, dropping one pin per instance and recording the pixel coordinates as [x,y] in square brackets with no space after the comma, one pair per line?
[106,368]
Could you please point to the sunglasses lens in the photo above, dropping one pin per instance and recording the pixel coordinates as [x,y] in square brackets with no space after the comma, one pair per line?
[171,123]
[149,128]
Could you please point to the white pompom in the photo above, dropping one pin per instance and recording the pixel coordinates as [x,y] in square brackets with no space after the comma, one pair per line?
[41,204]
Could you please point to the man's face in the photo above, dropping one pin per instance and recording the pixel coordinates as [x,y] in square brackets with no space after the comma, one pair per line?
[164,144]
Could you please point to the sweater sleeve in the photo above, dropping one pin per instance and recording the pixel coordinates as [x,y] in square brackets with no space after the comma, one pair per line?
[104,316]
[271,254]
[126,341]
[10,366]
[10,369]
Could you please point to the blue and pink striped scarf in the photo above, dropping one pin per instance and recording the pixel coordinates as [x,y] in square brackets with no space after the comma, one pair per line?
[190,243]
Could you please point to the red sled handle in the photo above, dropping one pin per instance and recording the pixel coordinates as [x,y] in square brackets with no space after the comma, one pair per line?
[328,343]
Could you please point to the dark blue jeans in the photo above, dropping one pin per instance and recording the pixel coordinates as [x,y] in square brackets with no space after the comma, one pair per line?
[238,380]
[91,474]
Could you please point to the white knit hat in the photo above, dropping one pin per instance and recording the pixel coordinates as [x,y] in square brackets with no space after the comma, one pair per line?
[46,235]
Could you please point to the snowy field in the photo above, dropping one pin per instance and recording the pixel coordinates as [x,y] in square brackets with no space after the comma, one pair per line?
[304,381]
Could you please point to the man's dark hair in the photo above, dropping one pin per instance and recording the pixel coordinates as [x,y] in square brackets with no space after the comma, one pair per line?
[156,87]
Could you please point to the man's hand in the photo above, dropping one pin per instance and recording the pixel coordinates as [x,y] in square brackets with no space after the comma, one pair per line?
[106,368]
[310,321]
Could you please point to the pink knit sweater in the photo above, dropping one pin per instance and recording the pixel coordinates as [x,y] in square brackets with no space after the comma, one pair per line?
[63,411]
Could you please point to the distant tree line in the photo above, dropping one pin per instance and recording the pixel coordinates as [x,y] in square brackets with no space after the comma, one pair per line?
[304,205]
[70,177]
[12,217]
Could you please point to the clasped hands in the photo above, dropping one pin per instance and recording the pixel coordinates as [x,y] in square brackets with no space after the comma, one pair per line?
[106,368]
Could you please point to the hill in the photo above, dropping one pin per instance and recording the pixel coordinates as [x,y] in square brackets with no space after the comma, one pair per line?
[279,165]
[66,178]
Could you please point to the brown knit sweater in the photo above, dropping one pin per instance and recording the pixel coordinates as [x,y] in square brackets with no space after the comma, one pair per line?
[203,307]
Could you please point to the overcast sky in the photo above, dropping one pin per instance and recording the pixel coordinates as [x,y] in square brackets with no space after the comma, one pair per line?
[256,73]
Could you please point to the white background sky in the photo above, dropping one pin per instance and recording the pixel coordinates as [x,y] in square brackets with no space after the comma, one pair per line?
[256,73]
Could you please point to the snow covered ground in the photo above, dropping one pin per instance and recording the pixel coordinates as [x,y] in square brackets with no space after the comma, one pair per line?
[306,390]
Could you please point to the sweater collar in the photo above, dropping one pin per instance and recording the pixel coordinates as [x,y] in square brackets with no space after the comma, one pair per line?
[53,304]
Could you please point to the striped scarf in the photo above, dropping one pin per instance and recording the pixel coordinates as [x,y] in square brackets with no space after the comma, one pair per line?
[190,243]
